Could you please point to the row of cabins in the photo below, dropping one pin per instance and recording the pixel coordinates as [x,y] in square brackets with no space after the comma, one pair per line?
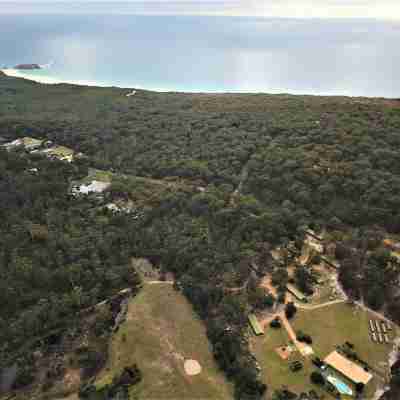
[379,326]
[379,331]
[380,338]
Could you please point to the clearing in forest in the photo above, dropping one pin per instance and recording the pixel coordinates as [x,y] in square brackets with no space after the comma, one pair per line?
[275,368]
[334,325]
[328,327]
[162,334]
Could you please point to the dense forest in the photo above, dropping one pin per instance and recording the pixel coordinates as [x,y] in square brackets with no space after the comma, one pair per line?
[268,166]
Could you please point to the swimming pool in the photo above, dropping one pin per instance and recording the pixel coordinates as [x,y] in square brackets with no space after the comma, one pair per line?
[340,386]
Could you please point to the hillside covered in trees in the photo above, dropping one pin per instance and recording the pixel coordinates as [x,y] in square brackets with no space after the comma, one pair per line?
[247,173]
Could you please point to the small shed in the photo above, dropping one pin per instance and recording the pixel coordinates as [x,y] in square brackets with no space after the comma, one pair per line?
[386,337]
[296,293]
[38,232]
[255,325]
[371,325]
[31,143]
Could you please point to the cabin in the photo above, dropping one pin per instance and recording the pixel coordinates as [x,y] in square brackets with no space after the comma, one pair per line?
[330,262]
[386,337]
[61,153]
[371,325]
[31,143]
[38,232]
[296,293]
[255,325]
[92,187]
[391,244]
[314,242]
[28,143]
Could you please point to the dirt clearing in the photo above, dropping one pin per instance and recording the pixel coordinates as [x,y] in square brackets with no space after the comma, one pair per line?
[192,367]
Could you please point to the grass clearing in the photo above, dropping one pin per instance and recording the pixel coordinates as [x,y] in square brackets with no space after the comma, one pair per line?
[160,333]
[61,151]
[334,325]
[276,370]
[99,175]
[328,327]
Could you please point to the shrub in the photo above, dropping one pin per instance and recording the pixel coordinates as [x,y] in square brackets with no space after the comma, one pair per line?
[290,310]
[303,337]
[281,297]
[275,323]
[269,300]
[317,362]
[24,377]
[317,378]
[359,387]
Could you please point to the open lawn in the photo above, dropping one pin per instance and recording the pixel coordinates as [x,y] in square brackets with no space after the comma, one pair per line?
[99,175]
[334,325]
[160,332]
[328,327]
[61,151]
[276,370]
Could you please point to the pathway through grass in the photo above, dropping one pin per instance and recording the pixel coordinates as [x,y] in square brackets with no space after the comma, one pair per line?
[160,333]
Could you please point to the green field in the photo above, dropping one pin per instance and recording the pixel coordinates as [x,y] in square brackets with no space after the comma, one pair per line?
[99,175]
[160,332]
[275,370]
[328,327]
[334,325]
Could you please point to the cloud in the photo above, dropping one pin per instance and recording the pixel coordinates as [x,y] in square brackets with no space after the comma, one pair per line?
[376,9]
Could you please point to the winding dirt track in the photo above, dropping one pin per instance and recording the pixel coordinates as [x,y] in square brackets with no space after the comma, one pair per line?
[317,306]
[301,347]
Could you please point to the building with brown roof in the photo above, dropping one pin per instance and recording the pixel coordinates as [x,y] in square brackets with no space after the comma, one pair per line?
[352,371]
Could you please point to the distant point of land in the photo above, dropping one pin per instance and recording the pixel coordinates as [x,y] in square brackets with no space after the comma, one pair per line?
[27,66]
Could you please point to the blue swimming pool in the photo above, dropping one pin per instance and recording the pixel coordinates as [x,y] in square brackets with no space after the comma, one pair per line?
[340,386]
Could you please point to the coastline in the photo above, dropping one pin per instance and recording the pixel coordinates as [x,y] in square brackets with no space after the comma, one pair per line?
[48,80]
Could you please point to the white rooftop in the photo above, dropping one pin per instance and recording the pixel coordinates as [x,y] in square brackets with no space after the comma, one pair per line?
[92,187]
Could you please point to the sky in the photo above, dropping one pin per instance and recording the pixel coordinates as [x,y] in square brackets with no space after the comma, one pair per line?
[375,9]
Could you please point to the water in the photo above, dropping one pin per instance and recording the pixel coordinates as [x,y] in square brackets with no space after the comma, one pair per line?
[182,53]
[340,385]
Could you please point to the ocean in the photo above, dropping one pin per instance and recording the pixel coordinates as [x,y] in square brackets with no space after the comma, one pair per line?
[208,54]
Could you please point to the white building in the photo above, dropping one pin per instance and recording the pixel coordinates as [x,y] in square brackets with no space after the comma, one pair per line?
[92,187]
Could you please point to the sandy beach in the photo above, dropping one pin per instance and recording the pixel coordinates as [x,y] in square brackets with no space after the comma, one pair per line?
[26,74]
[49,80]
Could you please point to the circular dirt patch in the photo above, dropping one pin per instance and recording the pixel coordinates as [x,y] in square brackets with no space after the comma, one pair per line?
[192,367]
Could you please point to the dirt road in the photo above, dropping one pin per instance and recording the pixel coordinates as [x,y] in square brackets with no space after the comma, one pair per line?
[310,307]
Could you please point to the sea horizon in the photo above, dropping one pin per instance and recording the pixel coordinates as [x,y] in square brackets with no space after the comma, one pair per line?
[202,54]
